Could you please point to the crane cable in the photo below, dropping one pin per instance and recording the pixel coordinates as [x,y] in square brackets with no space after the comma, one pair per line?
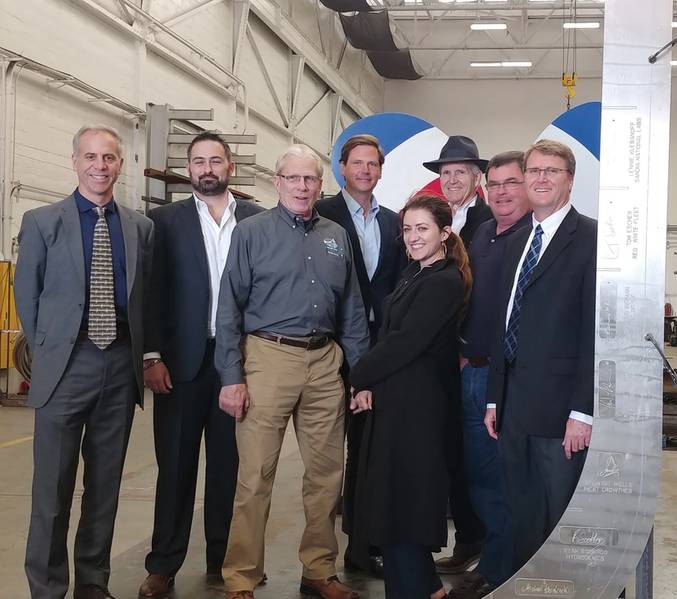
[569,48]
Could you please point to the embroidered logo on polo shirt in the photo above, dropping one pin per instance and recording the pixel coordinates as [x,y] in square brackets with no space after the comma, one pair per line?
[333,248]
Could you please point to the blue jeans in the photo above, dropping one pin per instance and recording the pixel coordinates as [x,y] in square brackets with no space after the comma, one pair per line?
[409,572]
[483,476]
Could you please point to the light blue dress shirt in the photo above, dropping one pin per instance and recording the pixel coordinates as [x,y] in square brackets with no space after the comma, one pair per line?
[368,231]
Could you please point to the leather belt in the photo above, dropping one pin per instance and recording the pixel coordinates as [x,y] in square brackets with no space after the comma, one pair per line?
[307,343]
[478,362]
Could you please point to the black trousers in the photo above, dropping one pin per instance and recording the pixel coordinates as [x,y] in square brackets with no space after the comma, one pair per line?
[538,480]
[358,543]
[409,572]
[179,420]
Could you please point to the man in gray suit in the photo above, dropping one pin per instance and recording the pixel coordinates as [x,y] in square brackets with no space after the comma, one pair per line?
[82,266]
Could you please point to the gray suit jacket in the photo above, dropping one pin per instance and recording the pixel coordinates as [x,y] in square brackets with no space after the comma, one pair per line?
[49,288]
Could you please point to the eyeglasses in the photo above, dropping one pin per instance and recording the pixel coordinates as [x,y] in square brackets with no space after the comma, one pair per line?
[548,171]
[296,179]
[509,184]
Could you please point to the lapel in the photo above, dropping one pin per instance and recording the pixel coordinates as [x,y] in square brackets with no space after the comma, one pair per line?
[130,237]
[561,240]
[346,221]
[385,235]
[193,232]
[71,221]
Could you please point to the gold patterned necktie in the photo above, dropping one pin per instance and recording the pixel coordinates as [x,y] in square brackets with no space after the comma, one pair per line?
[101,325]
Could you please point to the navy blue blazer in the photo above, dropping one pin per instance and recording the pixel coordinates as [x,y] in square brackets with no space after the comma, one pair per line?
[177,311]
[392,256]
[555,363]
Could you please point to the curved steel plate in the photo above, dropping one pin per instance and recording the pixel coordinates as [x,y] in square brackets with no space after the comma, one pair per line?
[596,546]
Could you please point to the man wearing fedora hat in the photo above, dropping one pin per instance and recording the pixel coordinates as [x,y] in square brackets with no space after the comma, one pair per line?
[460,169]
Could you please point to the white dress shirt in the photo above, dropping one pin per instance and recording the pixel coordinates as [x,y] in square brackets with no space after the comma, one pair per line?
[549,226]
[461,216]
[216,238]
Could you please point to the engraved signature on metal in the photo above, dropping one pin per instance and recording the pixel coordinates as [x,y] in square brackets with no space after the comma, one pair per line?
[594,550]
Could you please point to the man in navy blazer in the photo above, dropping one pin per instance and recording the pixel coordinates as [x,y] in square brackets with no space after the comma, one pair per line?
[191,246]
[379,257]
[541,378]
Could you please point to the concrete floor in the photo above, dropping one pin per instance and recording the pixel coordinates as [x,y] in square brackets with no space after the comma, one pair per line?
[135,516]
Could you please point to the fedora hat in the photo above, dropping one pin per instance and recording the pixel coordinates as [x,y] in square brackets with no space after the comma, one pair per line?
[458,148]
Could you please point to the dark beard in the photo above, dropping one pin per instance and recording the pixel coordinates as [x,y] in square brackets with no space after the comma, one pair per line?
[210,186]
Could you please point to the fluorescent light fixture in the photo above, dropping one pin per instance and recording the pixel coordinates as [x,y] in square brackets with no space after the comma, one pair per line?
[673,63]
[516,63]
[488,26]
[674,24]
[503,64]
[494,1]
[583,25]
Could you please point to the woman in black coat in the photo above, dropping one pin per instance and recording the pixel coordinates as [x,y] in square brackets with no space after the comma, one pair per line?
[412,377]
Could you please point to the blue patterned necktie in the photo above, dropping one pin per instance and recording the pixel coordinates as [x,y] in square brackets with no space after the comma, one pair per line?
[530,261]
[101,325]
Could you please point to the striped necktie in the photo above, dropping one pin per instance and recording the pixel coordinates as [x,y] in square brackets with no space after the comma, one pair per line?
[101,325]
[530,261]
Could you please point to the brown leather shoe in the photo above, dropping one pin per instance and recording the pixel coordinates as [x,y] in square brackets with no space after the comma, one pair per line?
[327,588]
[155,586]
[239,595]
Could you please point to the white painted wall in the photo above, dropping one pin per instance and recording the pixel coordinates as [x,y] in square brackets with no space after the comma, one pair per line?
[91,40]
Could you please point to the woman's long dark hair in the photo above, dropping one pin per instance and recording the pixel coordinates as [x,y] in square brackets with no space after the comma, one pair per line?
[441,212]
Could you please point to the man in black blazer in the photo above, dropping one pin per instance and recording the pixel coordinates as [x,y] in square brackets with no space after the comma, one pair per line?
[460,169]
[189,256]
[379,258]
[540,389]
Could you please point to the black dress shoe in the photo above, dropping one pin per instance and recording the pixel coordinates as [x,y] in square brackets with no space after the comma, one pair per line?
[376,566]
[91,591]
[463,556]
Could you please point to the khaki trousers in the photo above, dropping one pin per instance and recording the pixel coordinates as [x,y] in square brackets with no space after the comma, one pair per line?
[286,382]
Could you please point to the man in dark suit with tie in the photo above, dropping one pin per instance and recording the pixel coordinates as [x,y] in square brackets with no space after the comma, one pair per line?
[460,169]
[192,239]
[541,378]
[374,233]
[80,275]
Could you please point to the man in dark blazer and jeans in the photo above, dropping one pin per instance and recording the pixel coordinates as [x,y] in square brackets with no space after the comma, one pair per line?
[191,246]
[379,256]
[460,169]
[541,376]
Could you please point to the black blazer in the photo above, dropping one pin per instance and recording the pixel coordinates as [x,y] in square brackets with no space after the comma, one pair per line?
[392,257]
[554,368]
[177,311]
[479,213]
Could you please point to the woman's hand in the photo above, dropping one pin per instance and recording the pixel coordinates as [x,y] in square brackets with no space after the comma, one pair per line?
[361,401]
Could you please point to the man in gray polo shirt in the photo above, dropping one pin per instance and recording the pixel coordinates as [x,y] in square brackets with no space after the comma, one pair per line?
[289,307]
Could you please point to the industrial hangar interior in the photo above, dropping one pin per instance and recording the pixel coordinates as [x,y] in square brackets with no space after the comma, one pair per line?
[269,73]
